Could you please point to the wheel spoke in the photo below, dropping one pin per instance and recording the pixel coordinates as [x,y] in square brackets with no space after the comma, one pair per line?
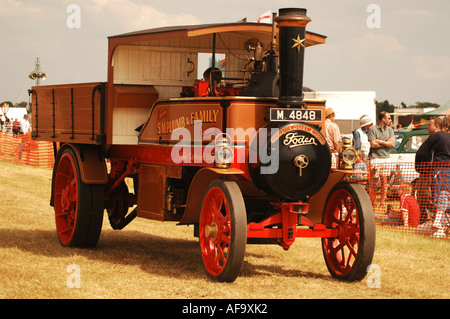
[62,214]
[352,250]
[64,175]
[343,254]
[225,238]
[216,204]
[221,258]
[223,223]
[68,230]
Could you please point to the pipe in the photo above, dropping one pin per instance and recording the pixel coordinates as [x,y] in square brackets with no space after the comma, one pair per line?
[292,29]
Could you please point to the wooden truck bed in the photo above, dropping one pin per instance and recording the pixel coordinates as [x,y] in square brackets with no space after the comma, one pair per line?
[72,113]
[78,113]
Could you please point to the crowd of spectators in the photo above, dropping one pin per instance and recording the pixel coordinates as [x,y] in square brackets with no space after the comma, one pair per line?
[14,125]
[424,204]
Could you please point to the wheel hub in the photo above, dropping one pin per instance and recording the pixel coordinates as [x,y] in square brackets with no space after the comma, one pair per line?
[347,232]
[211,231]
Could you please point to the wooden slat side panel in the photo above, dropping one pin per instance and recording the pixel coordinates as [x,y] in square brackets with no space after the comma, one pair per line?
[67,113]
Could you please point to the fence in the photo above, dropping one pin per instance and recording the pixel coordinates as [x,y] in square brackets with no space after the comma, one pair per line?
[423,190]
[22,149]
[409,197]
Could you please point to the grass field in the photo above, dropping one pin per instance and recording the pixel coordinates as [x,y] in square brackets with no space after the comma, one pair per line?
[151,259]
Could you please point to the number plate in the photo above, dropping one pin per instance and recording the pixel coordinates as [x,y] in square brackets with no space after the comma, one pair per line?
[295,115]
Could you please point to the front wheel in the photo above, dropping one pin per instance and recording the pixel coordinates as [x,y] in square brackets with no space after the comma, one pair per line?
[223,230]
[348,208]
[78,206]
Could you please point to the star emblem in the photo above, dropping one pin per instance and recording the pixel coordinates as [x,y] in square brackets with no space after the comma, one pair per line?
[298,43]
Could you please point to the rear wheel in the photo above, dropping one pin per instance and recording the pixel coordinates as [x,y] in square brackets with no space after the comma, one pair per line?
[349,209]
[223,230]
[78,206]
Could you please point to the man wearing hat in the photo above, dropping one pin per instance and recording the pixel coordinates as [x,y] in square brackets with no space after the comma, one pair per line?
[360,135]
[333,135]
[332,132]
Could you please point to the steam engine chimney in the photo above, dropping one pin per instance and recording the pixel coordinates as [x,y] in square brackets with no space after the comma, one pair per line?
[292,29]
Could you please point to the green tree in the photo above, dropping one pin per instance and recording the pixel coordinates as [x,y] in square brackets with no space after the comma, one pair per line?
[8,102]
[22,104]
[422,105]
[384,106]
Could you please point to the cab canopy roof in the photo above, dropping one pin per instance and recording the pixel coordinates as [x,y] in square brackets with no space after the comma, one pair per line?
[191,36]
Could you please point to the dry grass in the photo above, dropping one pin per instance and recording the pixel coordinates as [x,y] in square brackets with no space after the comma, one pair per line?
[151,259]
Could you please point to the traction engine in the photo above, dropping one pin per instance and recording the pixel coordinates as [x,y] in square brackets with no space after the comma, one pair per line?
[241,154]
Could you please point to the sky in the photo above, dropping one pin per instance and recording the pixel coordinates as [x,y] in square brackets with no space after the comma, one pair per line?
[398,48]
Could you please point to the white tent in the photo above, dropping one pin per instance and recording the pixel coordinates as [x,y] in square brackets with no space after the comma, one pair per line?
[14,112]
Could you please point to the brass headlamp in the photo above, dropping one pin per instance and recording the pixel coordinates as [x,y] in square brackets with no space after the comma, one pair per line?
[348,154]
[224,154]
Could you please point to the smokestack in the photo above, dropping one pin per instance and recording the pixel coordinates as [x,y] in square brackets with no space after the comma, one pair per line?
[292,29]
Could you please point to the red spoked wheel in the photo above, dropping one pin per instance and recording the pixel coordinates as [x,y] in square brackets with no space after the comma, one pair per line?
[223,230]
[349,209]
[78,206]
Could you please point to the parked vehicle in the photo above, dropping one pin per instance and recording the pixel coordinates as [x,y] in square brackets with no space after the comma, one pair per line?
[403,155]
[407,142]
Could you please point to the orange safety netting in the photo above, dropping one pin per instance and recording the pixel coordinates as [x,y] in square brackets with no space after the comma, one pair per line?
[22,149]
[409,197]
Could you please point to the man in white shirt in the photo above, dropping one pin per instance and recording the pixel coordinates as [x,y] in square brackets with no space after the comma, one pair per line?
[25,125]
